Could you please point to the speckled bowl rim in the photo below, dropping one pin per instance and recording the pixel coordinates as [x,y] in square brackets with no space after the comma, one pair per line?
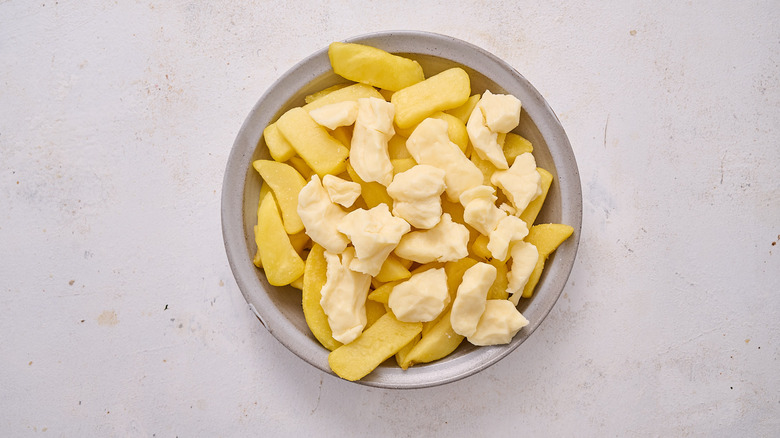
[234,228]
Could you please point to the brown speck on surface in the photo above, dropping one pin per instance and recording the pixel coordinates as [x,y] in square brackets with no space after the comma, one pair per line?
[70,283]
[29,363]
[221,283]
[82,320]
[747,341]
[108,318]
[633,32]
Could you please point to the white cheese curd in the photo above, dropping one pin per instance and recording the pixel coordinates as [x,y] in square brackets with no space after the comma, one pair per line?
[484,140]
[479,209]
[417,195]
[344,297]
[498,324]
[446,242]
[341,191]
[336,114]
[471,298]
[374,234]
[501,111]
[321,217]
[510,229]
[368,153]
[507,208]
[524,257]
[421,298]
[521,183]
[430,144]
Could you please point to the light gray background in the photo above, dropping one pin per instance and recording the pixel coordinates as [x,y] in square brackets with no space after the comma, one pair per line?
[120,317]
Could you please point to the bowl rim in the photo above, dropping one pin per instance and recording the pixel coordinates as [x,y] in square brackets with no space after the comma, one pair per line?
[423,43]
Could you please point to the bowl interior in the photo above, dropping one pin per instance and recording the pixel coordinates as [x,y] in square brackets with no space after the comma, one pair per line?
[279,308]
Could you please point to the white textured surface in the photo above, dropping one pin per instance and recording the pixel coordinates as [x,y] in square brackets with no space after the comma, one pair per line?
[118,310]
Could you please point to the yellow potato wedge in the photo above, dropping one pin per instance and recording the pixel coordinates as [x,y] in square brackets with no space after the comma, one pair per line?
[371,192]
[298,283]
[529,214]
[352,92]
[402,165]
[321,152]
[463,112]
[546,238]
[324,92]
[374,310]
[497,290]
[344,135]
[314,278]
[446,90]
[486,167]
[301,166]
[282,265]
[280,149]
[265,189]
[376,344]
[480,250]
[393,270]
[373,66]
[435,344]
[286,183]
[382,293]
[515,145]
[396,148]
[400,357]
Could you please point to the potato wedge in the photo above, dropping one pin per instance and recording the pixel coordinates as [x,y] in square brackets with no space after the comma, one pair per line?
[402,164]
[515,145]
[435,344]
[323,153]
[396,147]
[374,311]
[371,192]
[376,344]
[382,293]
[393,270]
[373,66]
[301,166]
[446,90]
[546,238]
[286,183]
[314,278]
[265,189]
[497,290]
[529,214]
[282,265]
[400,357]
[280,149]
[324,92]
[463,112]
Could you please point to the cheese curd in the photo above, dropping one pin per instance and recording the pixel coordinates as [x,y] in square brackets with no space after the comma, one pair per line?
[500,111]
[344,297]
[524,257]
[494,114]
[479,209]
[321,217]
[336,114]
[446,242]
[498,324]
[373,129]
[521,183]
[374,234]
[510,229]
[421,298]
[341,191]
[430,144]
[417,195]
[471,298]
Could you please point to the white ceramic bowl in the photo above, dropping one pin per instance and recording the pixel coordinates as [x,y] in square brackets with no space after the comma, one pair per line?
[279,308]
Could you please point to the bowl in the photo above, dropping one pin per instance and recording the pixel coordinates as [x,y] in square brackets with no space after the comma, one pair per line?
[279,308]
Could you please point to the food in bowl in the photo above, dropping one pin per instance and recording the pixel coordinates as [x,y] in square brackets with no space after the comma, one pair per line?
[403,207]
